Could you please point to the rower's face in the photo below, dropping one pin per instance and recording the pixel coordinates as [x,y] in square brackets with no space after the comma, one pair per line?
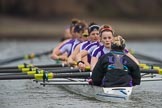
[78,36]
[67,33]
[107,38]
[94,36]
[85,35]
[73,33]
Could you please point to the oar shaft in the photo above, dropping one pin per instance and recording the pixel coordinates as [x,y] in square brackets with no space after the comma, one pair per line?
[28,69]
[66,70]
[72,75]
[16,77]
[8,74]
[3,62]
[51,66]
[11,71]
[39,66]
[41,76]
[65,83]
[29,56]
[154,71]
[66,79]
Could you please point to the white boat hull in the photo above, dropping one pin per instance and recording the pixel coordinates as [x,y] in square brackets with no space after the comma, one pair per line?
[113,94]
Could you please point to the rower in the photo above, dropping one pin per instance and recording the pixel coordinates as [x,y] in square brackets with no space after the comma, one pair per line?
[106,35]
[116,69]
[90,35]
[74,22]
[71,58]
[86,49]
[70,45]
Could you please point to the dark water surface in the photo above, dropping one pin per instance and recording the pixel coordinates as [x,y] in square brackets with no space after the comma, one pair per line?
[28,94]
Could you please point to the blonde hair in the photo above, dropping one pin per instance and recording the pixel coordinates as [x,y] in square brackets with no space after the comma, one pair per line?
[118,40]
[118,43]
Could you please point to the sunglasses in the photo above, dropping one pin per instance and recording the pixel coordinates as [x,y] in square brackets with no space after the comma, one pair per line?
[85,34]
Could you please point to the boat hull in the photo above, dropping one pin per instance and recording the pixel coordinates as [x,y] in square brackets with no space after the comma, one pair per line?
[114,94]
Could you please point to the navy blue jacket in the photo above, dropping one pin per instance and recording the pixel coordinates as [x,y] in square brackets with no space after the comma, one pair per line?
[102,76]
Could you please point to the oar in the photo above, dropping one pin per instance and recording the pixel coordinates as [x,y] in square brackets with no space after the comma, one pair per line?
[65,83]
[41,71]
[16,77]
[153,71]
[31,65]
[46,76]
[145,57]
[66,79]
[151,79]
[149,66]
[25,57]
[32,69]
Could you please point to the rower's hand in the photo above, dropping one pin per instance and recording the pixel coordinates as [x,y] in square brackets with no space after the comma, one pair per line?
[81,66]
[63,58]
[71,62]
[90,81]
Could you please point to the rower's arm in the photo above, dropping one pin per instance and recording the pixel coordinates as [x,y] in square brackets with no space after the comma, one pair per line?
[55,51]
[71,59]
[93,62]
[97,73]
[81,54]
[79,57]
[133,58]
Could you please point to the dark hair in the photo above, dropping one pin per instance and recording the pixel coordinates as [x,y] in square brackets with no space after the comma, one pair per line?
[93,26]
[74,22]
[80,27]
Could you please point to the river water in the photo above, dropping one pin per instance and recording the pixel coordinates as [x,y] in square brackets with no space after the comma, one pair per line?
[28,94]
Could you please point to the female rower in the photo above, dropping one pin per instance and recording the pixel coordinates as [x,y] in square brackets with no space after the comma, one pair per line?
[116,69]
[69,31]
[106,34]
[91,38]
[71,58]
[70,45]
[87,47]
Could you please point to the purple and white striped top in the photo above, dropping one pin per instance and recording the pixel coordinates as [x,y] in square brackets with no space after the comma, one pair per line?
[84,44]
[90,49]
[69,46]
[99,51]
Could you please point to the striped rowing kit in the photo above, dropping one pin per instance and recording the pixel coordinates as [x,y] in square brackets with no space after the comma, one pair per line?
[69,46]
